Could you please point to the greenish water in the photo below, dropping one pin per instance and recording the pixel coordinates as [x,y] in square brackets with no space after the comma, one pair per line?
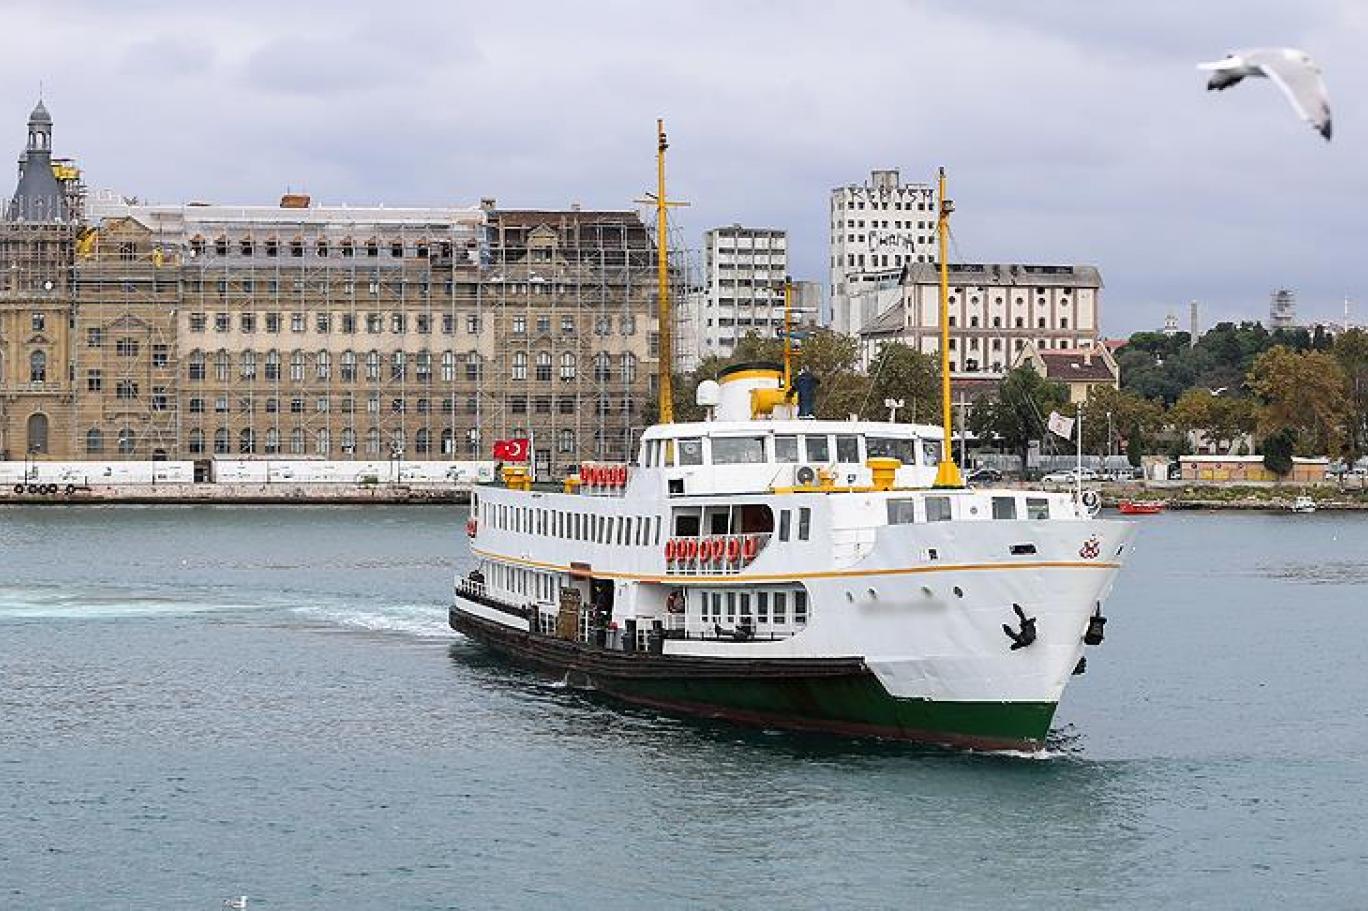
[198,703]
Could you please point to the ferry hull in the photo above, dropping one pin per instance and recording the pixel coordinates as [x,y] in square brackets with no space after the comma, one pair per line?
[831,695]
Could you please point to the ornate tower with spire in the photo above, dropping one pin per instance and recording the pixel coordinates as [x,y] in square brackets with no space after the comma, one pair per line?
[37,245]
[38,197]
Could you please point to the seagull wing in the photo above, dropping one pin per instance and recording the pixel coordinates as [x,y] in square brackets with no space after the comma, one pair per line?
[1300,80]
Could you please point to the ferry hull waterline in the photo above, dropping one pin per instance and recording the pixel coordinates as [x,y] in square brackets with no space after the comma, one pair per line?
[771,568]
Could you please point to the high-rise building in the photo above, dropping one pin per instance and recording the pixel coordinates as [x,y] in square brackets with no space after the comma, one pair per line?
[1282,309]
[744,274]
[877,229]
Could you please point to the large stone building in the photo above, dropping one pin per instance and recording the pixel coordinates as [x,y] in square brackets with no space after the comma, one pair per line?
[190,331]
[877,228]
[996,311]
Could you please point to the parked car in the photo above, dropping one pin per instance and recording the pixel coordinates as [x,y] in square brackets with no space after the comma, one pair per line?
[984,476]
[1068,477]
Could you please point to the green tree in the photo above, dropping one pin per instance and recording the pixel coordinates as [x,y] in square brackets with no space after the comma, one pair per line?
[1301,394]
[1277,451]
[1016,412]
[899,372]
[1119,419]
[1351,350]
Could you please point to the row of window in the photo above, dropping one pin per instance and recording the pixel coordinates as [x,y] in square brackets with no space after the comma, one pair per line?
[764,611]
[375,323]
[572,525]
[374,365]
[841,448]
[907,511]
[321,247]
[297,440]
[346,404]
[898,224]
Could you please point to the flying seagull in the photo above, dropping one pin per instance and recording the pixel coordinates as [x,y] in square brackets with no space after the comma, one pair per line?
[1291,70]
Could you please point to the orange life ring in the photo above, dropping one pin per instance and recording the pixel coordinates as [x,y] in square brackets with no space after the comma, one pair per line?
[669,550]
[690,548]
[750,547]
[733,550]
[719,549]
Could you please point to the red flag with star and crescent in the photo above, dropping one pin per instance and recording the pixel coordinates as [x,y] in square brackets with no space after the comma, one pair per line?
[512,450]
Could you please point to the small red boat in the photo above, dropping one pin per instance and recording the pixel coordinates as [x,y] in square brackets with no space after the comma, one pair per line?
[1134,508]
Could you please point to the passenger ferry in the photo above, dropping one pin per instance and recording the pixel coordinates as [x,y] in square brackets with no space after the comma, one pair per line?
[776,570]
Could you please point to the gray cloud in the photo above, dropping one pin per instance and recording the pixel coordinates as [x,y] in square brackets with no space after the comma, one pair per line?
[1071,131]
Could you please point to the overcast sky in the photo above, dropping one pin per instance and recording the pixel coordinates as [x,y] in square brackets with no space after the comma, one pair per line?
[1072,132]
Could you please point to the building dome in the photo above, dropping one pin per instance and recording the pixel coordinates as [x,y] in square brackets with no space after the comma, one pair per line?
[40,114]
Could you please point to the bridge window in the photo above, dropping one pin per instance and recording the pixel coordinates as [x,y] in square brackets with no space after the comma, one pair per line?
[738,450]
[904,450]
[689,451]
[804,523]
[1004,507]
[818,448]
[1037,508]
[848,448]
[902,512]
[938,509]
[786,449]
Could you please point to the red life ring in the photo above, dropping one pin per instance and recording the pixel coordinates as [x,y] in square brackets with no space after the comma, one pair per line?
[472,526]
[719,549]
[690,548]
[733,550]
[750,547]
[669,550]
[622,475]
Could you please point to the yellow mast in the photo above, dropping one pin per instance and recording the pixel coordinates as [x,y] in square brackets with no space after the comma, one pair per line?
[666,357]
[947,473]
[788,337]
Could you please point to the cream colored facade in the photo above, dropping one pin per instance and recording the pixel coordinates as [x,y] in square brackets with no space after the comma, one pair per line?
[338,332]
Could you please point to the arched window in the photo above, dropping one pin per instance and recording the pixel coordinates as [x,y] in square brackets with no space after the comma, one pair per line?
[348,441]
[38,367]
[221,444]
[196,443]
[297,366]
[273,365]
[323,365]
[629,367]
[297,440]
[448,366]
[565,440]
[603,367]
[94,440]
[246,441]
[37,427]
[398,365]
[422,441]
[247,364]
[423,366]
[373,441]
[223,365]
[448,441]
[396,443]
[567,366]
[272,440]
[128,441]
[544,366]
[520,365]
[348,366]
[322,441]
[372,365]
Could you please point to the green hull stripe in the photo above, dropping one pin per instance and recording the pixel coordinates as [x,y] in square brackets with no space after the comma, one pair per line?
[845,704]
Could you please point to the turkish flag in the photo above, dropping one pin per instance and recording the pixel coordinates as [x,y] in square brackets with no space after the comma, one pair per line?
[514,450]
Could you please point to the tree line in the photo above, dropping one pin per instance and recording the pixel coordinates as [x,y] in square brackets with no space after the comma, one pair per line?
[1292,392]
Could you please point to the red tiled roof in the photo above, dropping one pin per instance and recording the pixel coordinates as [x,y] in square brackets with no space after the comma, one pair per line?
[1074,367]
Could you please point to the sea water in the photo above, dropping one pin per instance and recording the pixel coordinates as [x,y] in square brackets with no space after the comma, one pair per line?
[198,703]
